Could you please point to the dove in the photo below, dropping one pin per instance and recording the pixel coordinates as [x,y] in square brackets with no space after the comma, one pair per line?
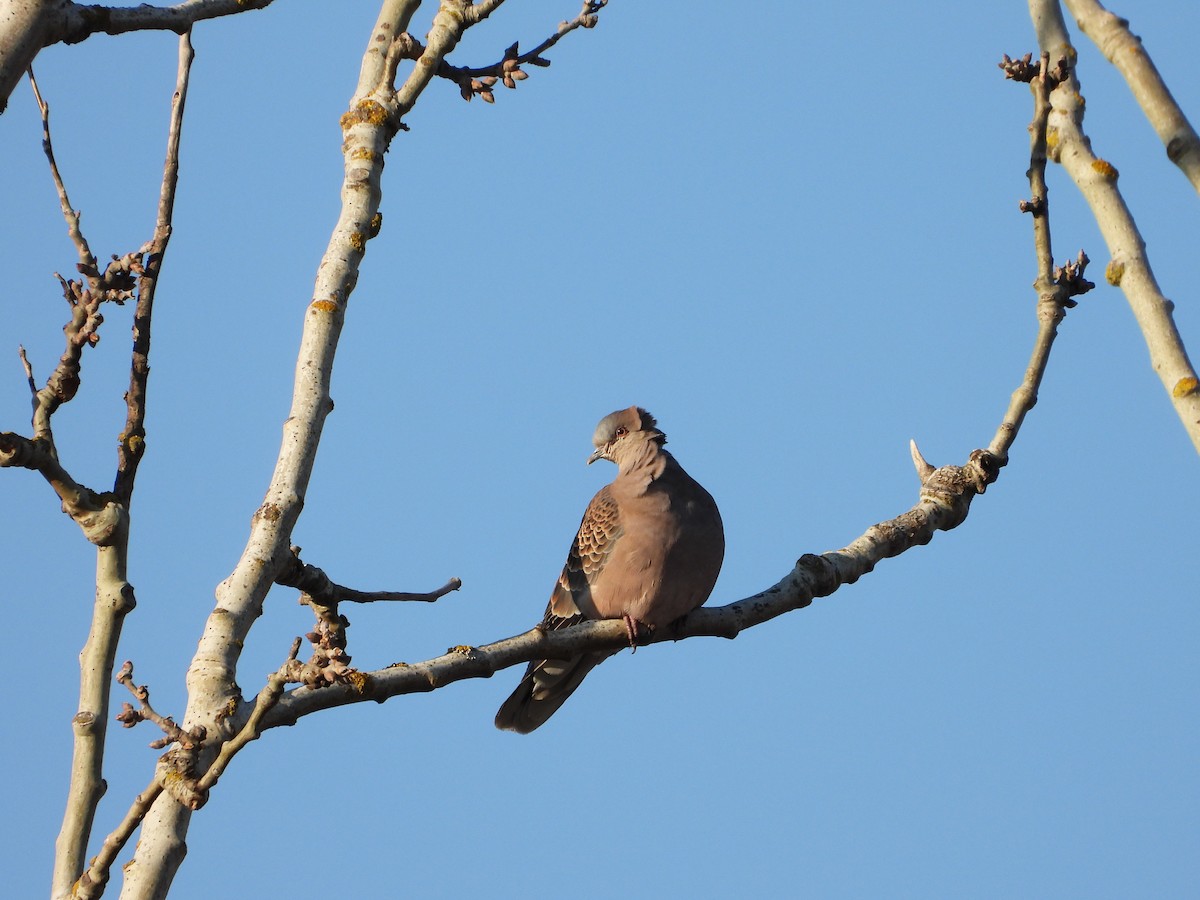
[648,551]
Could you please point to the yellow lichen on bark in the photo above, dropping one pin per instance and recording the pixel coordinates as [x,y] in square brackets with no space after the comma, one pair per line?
[1185,386]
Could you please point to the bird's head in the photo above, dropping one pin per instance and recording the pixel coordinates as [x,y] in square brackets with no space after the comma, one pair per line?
[625,436]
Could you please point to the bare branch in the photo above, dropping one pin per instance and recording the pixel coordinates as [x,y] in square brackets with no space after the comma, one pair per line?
[944,502]
[1129,265]
[129,717]
[945,498]
[105,518]
[28,375]
[1120,46]
[478,81]
[32,25]
[369,125]
[82,21]
[115,284]
[313,581]
[86,257]
[330,663]
[101,520]
[100,517]
[132,443]
[1055,286]
[92,882]
[588,17]
[114,600]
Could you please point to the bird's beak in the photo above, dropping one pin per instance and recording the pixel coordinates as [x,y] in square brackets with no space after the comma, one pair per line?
[599,454]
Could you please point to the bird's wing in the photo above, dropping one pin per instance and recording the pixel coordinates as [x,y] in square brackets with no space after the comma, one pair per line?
[598,534]
[549,682]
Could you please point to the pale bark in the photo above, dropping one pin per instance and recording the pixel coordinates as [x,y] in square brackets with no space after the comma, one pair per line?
[1129,265]
[370,124]
[1120,46]
[104,519]
[26,26]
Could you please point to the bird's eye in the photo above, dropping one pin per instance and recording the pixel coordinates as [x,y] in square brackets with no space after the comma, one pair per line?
[621,432]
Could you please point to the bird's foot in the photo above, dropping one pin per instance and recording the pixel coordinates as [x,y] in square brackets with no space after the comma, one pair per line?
[633,629]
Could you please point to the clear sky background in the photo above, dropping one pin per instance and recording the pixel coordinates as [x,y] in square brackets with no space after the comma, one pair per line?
[788,230]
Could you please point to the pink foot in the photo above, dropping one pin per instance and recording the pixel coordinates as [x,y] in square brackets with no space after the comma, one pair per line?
[632,627]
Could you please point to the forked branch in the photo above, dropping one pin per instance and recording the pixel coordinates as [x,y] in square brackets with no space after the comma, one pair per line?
[479,81]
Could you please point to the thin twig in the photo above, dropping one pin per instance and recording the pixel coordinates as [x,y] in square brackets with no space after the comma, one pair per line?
[349,595]
[83,328]
[478,81]
[313,581]
[1053,298]
[128,717]
[132,443]
[587,18]
[25,364]
[86,258]
[330,663]
[92,882]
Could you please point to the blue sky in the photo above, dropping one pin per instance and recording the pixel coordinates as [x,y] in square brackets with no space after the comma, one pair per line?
[793,237]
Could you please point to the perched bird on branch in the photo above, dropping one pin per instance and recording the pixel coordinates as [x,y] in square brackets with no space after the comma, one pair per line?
[648,551]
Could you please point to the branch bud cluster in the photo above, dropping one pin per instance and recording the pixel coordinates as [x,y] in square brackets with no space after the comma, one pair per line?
[1025,70]
[1070,276]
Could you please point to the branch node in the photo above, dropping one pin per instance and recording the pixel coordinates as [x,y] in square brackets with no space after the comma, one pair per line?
[1035,207]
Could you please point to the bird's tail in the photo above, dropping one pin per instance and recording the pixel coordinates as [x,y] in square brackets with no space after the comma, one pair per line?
[546,686]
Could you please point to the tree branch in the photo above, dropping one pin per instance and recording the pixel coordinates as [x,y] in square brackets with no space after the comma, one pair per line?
[1129,266]
[114,600]
[479,81]
[100,519]
[370,124]
[267,698]
[31,25]
[588,17]
[80,21]
[129,717]
[109,528]
[86,257]
[132,442]
[330,663]
[1055,286]
[944,501]
[314,582]
[1121,47]
[92,882]
[83,330]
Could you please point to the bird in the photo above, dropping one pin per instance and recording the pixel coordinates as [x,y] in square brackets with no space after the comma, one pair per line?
[648,551]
